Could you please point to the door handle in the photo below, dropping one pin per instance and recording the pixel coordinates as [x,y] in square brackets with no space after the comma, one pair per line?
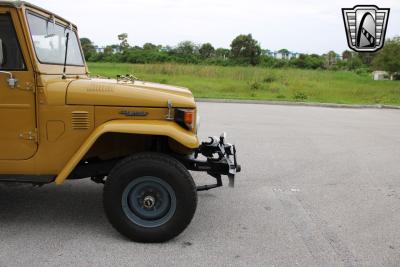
[12,82]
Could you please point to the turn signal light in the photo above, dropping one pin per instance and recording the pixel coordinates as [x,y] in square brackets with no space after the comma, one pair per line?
[185,117]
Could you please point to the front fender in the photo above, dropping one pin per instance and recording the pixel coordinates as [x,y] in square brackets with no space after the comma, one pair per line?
[144,127]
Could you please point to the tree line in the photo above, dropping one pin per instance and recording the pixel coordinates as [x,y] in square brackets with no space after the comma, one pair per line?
[244,50]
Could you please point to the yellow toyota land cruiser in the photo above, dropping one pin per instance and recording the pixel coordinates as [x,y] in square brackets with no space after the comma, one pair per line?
[137,138]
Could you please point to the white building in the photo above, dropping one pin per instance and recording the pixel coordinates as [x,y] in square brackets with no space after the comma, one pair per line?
[286,56]
[101,49]
[380,75]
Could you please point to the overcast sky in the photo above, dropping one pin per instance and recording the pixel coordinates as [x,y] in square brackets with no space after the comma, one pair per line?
[309,26]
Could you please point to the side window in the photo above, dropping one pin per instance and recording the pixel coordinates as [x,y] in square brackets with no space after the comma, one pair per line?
[10,52]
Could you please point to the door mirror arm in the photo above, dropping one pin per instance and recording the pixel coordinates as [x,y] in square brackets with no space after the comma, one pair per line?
[12,82]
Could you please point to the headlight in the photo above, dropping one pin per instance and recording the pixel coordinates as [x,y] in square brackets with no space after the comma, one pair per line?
[185,118]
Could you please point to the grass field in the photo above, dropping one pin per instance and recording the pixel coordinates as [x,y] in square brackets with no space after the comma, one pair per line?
[263,84]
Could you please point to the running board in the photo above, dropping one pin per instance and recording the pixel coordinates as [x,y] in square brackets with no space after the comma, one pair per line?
[21,178]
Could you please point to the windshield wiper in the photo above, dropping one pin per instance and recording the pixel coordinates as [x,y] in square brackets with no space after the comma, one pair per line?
[64,75]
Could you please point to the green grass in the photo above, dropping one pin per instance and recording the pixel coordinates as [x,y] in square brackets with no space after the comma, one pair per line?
[262,83]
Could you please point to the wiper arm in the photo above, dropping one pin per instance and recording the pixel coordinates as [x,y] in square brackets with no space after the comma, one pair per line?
[64,76]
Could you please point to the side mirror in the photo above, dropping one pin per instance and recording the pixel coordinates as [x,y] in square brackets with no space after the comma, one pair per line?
[1,53]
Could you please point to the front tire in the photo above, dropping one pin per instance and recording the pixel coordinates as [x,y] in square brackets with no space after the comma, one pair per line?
[150,197]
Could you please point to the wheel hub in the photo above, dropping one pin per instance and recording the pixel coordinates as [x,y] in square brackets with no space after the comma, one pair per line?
[149,202]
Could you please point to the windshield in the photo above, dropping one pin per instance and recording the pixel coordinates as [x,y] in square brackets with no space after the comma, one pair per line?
[49,42]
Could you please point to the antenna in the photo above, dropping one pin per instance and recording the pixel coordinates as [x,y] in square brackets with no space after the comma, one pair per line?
[64,76]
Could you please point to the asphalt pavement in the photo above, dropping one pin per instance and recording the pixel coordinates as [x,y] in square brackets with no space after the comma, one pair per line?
[318,187]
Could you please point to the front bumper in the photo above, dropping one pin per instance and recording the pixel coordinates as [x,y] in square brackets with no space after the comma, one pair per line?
[220,159]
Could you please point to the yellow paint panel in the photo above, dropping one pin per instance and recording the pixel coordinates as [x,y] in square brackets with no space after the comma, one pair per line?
[17,105]
[55,129]
[149,127]
[49,123]
[104,92]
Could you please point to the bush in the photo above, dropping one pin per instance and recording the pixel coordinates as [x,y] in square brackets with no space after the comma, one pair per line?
[269,79]
[299,96]
[280,96]
[255,86]
[362,72]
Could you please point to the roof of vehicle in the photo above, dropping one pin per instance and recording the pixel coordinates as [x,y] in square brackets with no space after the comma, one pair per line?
[18,4]
[12,3]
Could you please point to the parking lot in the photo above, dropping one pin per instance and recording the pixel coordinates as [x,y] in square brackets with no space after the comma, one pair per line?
[319,187]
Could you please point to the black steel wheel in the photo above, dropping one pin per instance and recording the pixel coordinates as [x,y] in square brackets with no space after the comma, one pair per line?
[149,201]
[150,197]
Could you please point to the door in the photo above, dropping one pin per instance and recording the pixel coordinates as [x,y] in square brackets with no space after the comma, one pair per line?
[17,98]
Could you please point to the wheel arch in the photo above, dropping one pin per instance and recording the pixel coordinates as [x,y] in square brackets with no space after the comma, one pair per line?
[144,127]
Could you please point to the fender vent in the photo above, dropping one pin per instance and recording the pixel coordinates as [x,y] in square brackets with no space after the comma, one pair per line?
[80,120]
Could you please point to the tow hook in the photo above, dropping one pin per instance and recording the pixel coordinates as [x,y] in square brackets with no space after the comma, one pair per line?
[220,160]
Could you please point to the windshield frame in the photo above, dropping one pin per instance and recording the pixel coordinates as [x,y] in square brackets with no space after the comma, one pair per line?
[73,30]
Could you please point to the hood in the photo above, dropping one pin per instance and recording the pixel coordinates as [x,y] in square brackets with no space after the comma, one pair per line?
[109,92]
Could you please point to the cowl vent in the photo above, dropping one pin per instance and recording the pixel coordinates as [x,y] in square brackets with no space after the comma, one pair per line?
[80,120]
